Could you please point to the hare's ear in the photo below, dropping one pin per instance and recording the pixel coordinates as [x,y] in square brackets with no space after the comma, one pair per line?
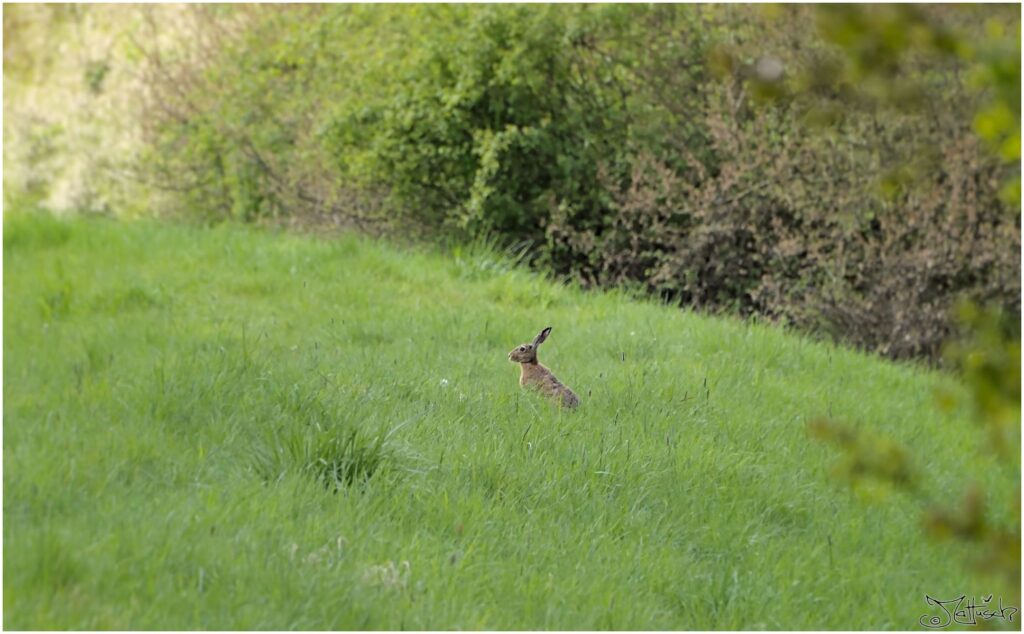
[539,339]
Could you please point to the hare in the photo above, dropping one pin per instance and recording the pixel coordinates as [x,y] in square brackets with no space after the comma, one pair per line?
[536,376]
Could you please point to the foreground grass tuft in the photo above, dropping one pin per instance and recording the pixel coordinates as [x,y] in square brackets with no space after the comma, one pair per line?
[232,429]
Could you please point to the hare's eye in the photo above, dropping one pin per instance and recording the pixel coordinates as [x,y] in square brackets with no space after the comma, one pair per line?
[522,348]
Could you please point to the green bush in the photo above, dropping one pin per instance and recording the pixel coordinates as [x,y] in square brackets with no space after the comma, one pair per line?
[503,115]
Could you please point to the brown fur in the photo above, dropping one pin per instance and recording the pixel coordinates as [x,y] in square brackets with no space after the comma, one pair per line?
[536,376]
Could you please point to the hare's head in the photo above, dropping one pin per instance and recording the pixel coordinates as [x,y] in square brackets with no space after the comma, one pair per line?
[527,352]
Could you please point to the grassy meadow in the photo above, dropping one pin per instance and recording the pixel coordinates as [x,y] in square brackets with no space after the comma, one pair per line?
[234,428]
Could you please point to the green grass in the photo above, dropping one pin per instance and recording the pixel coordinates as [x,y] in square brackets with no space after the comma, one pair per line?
[228,428]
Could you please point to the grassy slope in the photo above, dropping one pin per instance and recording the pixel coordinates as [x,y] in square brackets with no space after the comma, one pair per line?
[169,393]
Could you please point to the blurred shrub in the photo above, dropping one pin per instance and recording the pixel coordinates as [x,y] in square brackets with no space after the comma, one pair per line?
[722,157]
[69,95]
[228,110]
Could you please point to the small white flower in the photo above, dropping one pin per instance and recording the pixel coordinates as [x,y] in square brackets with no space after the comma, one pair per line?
[388,575]
[444,382]
[769,69]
